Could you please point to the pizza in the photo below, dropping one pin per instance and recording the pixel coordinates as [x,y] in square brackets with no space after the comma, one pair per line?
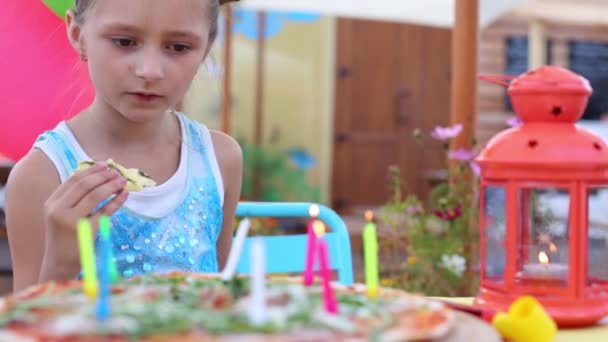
[189,307]
[136,180]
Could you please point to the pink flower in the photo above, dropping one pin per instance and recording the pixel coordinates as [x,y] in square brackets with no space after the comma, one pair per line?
[464,155]
[445,133]
[413,210]
[461,154]
[475,168]
[449,214]
[514,121]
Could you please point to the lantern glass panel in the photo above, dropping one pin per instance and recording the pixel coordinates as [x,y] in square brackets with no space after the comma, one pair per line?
[495,232]
[597,214]
[543,236]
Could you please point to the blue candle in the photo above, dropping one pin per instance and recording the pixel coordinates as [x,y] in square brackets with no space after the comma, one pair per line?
[103,303]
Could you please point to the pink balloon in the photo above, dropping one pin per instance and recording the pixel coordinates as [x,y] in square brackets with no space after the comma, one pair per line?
[42,80]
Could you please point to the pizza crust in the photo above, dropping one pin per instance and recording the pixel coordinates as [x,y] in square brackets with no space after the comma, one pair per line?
[136,180]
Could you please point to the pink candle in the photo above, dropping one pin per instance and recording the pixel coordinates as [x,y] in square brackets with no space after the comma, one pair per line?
[311,245]
[331,305]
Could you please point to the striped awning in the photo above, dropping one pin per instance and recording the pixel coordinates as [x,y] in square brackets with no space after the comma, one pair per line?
[439,13]
[575,12]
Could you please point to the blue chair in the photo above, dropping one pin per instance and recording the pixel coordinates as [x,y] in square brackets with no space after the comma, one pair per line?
[286,254]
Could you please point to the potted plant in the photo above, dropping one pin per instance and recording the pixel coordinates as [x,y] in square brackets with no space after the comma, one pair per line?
[439,241]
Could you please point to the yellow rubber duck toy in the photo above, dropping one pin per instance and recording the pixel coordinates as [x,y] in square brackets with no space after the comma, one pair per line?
[526,321]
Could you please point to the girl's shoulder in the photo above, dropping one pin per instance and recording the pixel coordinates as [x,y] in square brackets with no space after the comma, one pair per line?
[229,158]
[227,149]
[32,180]
[225,146]
[34,167]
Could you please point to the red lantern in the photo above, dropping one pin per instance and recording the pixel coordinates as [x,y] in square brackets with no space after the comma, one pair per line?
[538,182]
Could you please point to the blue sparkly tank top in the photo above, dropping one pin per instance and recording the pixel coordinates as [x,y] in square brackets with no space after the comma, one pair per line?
[182,239]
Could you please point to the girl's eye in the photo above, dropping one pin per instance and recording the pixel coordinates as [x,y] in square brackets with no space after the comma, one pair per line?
[124,42]
[179,48]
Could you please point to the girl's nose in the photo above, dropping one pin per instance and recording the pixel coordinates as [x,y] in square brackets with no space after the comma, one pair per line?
[149,66]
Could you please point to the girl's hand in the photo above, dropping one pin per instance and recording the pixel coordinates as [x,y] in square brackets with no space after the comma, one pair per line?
[77,198]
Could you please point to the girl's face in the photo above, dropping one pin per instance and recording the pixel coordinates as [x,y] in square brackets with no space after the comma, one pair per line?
[143,54]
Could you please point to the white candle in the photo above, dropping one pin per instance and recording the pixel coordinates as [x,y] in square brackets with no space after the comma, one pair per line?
[546,271]
[236,250]
[257,309]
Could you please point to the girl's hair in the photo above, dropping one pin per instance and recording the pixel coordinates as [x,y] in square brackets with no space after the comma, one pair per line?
[81,6]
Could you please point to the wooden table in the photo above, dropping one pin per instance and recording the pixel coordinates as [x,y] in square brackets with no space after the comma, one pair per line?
[598,333]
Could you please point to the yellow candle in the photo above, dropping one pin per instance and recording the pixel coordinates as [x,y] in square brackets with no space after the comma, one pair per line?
[370,249]
[87,259]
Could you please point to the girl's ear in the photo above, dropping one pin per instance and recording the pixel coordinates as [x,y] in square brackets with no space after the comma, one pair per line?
[75,34]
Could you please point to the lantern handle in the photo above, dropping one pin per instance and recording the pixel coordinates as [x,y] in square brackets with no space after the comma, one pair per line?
[497,79]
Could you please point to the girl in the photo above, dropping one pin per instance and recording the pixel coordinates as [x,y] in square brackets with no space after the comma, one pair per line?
[142,56]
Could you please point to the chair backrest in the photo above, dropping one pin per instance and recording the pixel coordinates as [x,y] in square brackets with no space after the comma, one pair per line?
[286,254]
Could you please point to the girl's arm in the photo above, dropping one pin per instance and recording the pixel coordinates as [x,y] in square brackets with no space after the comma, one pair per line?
[42,215]
[30,184]
[230,159]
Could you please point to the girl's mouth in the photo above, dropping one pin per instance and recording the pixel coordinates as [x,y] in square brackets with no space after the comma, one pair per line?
[145,97]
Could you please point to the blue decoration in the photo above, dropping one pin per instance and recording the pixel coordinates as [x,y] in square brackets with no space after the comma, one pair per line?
[301,158]
[302,17]
[246,22]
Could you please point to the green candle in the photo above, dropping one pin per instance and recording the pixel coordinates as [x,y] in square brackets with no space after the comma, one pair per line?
[370,249]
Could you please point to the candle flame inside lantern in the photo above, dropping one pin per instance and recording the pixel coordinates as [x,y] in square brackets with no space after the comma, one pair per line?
[552,247]
[543,258]
[369,215]
[314,210]
[319,228]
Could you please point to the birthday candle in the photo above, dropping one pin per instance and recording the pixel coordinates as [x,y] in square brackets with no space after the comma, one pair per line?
[105,226]
[310,255]
[236,250]
[331,305]
[103,302]
[311,247]
[370,245]
[87,259]
[329,299]
[257,309]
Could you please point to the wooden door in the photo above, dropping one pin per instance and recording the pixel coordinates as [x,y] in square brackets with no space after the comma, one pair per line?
[390,80]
